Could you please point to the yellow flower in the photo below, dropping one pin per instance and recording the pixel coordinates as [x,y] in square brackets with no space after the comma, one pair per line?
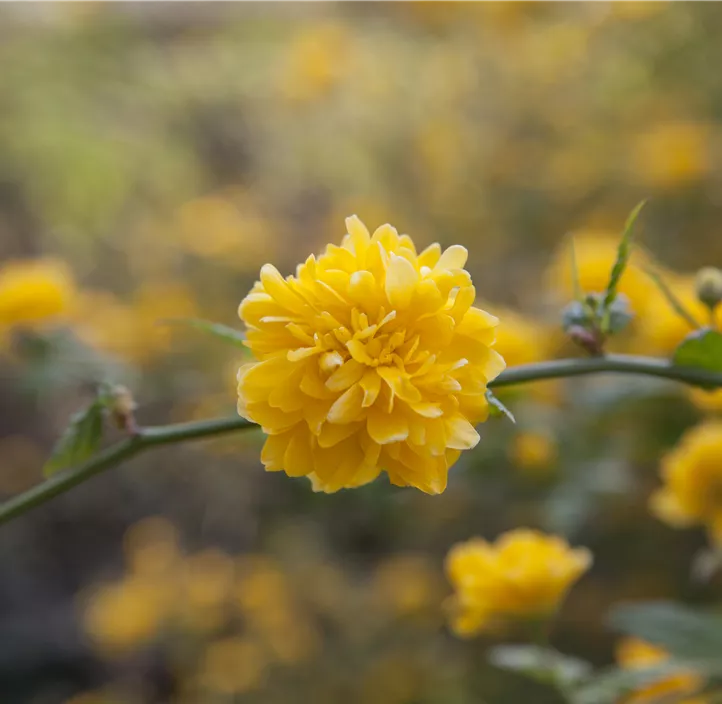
[709,401]
[662,328]
[370,358]
[317,60]
[233,666]
[533,451]
[668,154]
[595,254]
[213,227]
[207,581]
[692,474]
[123,616]
[524,575]
[633,653]
[136,331]
[33,292]
[406,584]
[521,340]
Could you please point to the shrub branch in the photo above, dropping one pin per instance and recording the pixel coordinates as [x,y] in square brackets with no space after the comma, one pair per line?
[147,438]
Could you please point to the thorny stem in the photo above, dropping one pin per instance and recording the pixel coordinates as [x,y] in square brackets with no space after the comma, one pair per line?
[147,438]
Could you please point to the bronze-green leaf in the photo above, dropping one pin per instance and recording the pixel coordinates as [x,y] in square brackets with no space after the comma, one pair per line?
[701,349]
[79,441]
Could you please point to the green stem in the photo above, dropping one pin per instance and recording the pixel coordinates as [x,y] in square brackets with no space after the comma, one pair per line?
[614,363]
[147,438]
[125,449]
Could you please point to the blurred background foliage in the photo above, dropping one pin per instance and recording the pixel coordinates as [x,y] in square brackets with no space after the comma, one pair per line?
[154,156]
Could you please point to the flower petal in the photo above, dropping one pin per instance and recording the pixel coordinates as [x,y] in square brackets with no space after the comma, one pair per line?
[346,375]
[401,280]
[453,258]
[385,428]
[460,434]
[347,407]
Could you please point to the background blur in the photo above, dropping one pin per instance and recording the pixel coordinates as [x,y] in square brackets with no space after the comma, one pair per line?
[154,156]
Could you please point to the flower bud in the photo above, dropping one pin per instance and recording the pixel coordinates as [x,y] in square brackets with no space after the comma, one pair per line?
[122,407]
[709,286]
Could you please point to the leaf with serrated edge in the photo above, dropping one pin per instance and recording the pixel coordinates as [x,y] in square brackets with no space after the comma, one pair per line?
[496,407]
[224,332]
[79,440]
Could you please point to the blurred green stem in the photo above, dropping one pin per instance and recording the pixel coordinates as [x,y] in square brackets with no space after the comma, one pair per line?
[147,438]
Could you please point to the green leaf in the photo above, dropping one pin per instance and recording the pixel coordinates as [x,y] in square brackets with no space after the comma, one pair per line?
[224,332]
[543,664]
[613,684]
[701,349]
[624,252]
[692,638]
[497,408]
[79,441]
[504,686]
[669,296]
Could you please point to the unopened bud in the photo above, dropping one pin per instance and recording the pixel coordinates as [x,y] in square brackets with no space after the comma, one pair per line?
[589,340]
[709,286]
[123,407]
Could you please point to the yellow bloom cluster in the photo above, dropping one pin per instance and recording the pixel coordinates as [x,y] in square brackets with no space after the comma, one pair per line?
[34,291]
[633,653]
[235,625]
[198,596]
[692,474]
[524,575]
[370,358]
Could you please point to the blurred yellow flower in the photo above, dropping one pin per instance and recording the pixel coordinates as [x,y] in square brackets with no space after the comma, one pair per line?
[317,59]
[220,226]
[207,583]
[266,600]
[521,340]
[136,331]
[232,666]
[523,575]
[633,653]
[371,357]
[33,292]
[662,328]
[671,153]
[407,584]
[709,401]
[123,616]
[533,452]
[595,254]
[692,475]
[151,547]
